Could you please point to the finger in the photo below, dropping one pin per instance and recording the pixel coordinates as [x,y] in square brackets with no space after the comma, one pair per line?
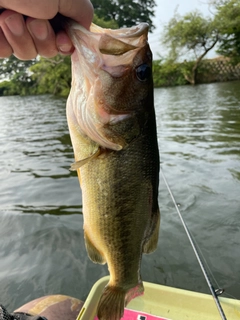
[43,37]
[43,9]
[63,43]
[17,35]
[81,11]
[5,48]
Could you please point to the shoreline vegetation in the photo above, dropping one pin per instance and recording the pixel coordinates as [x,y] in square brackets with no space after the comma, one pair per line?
[189,37]
[219,69]
[53,76]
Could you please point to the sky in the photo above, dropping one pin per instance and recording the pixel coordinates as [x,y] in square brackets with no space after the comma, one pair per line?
[165,11]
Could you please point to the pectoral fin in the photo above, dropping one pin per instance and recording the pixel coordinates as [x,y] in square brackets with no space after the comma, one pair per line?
[151,243]
[93,252]
[76,165]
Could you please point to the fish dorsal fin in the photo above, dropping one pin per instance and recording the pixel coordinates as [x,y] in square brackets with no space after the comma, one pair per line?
[113,46]
[78,164]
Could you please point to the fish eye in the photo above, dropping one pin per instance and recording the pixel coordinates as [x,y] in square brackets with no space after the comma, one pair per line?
[143,72]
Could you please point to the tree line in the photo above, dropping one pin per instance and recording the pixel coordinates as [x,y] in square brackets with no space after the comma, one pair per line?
[189,37]
[192,36]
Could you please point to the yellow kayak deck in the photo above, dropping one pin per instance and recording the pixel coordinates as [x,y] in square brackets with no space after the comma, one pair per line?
[162,302]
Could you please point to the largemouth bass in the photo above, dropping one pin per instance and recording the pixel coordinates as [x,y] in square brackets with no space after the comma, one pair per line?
[111,119]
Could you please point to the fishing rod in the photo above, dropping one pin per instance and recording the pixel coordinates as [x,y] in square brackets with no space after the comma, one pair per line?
[211,288]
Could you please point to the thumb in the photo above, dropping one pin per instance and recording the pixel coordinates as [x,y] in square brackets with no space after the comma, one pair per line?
[78,10]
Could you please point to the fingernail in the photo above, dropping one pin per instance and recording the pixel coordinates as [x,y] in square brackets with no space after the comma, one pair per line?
[64,44]
[39,29]
[15,24]
[65,49]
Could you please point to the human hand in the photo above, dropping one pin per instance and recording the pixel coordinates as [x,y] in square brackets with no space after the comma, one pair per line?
[26,38]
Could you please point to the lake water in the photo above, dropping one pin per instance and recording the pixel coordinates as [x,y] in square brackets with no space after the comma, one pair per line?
[41,238]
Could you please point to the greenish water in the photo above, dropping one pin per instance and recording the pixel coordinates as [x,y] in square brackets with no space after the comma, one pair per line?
[41,239]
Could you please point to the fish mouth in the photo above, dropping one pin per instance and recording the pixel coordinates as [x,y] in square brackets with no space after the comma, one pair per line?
[124,39]
[97,45]
[120,41]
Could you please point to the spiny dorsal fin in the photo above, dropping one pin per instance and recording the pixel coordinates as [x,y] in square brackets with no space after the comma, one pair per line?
[76,165]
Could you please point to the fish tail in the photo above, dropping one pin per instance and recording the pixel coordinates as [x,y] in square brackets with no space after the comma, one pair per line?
[114,299]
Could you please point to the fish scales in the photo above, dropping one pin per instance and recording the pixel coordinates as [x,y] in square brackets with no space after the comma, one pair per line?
[112,125]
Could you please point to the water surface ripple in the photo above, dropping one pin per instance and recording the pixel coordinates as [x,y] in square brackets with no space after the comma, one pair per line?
[41,239]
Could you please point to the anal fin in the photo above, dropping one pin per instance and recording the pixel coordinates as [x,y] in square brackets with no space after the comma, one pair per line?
[93,252]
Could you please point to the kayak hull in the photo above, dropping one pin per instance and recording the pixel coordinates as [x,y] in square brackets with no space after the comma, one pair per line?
[163,302]
[158,302]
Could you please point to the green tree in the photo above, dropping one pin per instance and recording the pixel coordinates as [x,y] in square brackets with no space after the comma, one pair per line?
[126,12]
[101,22]
[52,76]
[167,73]
[227,19]
[190,35]
[18,74]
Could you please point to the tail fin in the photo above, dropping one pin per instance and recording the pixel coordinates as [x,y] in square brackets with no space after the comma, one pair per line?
[114,299]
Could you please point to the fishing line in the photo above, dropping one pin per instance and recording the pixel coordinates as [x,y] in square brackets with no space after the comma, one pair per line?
[211,288]
[205,263]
